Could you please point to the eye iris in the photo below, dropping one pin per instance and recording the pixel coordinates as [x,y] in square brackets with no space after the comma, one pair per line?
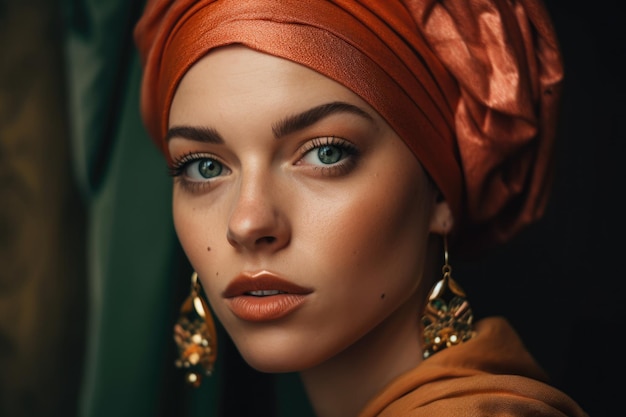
[209,168]
[329,154]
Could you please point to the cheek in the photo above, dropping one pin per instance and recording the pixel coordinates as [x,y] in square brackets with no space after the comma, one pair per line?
[195,227]
[374,244]
[372,259]
[387,223]
[200,236]
[184,225]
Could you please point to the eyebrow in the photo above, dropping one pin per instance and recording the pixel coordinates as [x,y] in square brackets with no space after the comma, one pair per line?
[309,117]
[288,125]
[198,134]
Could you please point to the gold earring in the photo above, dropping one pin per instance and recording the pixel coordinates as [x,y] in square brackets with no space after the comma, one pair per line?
[194,334]
[448,317]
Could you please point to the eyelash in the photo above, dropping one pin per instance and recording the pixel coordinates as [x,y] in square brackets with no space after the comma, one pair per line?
[340,167]
[181,164]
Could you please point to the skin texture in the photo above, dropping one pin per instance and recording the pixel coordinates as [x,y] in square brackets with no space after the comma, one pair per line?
[355,233]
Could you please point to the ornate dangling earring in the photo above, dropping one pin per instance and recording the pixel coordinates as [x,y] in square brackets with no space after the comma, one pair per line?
[447,319]
[194,334]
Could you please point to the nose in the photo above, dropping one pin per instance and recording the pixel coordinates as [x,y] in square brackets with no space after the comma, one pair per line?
[258,222]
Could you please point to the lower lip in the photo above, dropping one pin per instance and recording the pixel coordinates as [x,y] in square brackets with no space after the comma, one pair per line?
[268,308]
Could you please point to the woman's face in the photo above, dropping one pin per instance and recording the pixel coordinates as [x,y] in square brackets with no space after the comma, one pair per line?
[303,213]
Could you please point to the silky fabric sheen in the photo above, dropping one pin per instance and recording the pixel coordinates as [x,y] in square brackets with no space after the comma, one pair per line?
[491,375]
[472,87]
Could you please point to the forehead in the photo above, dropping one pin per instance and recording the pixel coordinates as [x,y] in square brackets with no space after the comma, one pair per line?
[234,77]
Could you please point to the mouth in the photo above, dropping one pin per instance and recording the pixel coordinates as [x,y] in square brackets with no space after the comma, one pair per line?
[264,293]
[263,296]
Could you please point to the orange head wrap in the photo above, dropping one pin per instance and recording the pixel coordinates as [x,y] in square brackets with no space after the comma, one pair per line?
[472,87]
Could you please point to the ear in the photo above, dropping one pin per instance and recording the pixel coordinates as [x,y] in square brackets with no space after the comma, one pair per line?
[441,220]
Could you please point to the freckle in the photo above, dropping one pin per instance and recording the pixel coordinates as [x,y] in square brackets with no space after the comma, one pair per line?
[382,296]
[217,273]
[208,248]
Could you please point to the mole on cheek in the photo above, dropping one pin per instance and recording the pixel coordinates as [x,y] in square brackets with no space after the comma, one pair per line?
[382,296]
[208,248]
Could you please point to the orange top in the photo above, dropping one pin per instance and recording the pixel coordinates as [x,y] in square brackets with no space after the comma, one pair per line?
[490,375]
[472,87]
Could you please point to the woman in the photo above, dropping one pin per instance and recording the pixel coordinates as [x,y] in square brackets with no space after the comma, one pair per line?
[324,154]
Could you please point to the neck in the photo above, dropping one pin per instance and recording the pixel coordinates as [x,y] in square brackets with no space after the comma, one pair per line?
[342,386]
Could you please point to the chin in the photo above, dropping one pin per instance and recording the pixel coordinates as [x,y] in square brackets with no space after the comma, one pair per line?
[278,360]
[274,362]
[272,367]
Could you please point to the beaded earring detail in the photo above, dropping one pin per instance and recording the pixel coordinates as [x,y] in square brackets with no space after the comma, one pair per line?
[194,334]
[447,319]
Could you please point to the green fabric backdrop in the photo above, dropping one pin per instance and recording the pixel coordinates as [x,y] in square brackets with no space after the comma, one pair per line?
[130,239]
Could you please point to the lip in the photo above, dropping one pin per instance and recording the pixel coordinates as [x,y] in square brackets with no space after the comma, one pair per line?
[253,308]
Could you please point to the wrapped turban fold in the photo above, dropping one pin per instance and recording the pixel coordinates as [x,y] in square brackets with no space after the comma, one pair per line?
[471,86]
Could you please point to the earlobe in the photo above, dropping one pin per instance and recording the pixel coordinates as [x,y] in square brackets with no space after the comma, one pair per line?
[441,220]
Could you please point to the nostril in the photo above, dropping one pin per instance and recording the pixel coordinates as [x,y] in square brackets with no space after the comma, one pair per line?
[266,240]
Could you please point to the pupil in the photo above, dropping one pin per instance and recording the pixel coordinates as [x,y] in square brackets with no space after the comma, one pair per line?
[209,168]
[329,154]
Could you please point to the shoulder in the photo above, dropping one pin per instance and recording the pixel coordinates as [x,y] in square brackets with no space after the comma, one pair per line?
[490,375]
[482,395]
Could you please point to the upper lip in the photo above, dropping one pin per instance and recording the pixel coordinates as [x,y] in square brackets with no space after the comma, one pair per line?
[262,280]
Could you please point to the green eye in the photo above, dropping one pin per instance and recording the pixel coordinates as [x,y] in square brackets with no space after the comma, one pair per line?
[207,168]
[329,154]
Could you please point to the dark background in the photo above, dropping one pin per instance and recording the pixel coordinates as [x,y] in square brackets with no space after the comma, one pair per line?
[565,293]
[560,282]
